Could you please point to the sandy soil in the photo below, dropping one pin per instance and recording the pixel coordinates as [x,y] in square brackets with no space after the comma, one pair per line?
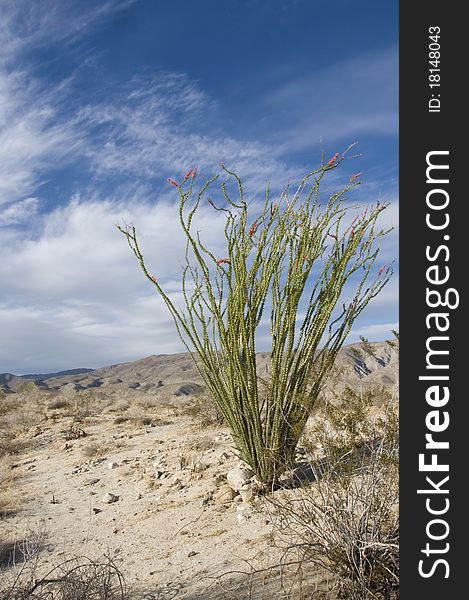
[171,536]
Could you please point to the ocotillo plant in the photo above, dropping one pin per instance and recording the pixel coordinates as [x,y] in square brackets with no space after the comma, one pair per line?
[268,265]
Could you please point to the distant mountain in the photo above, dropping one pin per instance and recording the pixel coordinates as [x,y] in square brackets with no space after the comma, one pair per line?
[12,383]
[43,376]
[176,375]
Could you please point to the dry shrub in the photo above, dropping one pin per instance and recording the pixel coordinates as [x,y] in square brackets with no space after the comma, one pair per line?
[9,497]
[74,433]
[74,579]
[121,419]
[10,445]
[22,420]
[8,403]
[200,444]
[92,449]
[23,410]
[204,411]
[119,406]
[138,416]
[82,405]
[104,448]
[59,403]
[346,522]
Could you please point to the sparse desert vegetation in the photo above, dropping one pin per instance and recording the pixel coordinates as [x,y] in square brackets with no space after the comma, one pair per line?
[132,489]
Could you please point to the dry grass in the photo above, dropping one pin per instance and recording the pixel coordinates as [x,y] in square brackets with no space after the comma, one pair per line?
[10,499]
[204,412]
[59,403]
[346,520]
[104,448]
[74,579]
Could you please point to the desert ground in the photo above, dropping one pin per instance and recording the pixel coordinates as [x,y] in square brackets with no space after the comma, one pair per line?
[130,462]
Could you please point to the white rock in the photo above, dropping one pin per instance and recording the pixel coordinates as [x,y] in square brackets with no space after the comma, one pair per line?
[243,513]
[112,465]
[238,477]
[247,493]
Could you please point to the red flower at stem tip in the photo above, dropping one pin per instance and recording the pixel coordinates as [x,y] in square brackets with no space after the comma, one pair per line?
[356,176]
[252,229]
[222,261]
[333,159]
[172,182]
[188,174]
[153,278]
[381,270]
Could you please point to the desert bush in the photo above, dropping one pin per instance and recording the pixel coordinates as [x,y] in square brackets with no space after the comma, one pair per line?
[75,579]
[9,497]
[83,404]
[22,420]
[23,410]
[92,449]
[347,522]
[74,433]
[271,252]
[204,412]
[121,419]
[10,445]
[119,406]
[59,403]
[9,403]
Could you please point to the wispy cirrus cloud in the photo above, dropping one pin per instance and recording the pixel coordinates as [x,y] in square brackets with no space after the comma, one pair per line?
[354,98]
[159,126]
[26,26]
[70,287]
[34,135]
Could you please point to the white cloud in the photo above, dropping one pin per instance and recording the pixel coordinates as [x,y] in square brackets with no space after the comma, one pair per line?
[32,135]
[25,25]
[346,101]
[159,127]
[19,212]
[72,294]
[75,291]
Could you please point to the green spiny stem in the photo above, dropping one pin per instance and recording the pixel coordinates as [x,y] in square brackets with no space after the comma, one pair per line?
[270,258]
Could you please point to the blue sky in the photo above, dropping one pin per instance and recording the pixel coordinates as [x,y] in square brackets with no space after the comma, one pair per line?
[101,101]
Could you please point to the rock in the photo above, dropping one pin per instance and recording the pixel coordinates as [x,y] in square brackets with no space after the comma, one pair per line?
[109,498]
[224,494]
[91,481]
[219,478]
[182,462]
[192,553]
[188,389]
[207,498]
[247,493]
[224,456]
[112,465]
[238,477]
[243,513]
[177,484]
[34,431]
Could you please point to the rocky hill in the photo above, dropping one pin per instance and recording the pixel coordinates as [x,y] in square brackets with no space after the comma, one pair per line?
[375,363]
